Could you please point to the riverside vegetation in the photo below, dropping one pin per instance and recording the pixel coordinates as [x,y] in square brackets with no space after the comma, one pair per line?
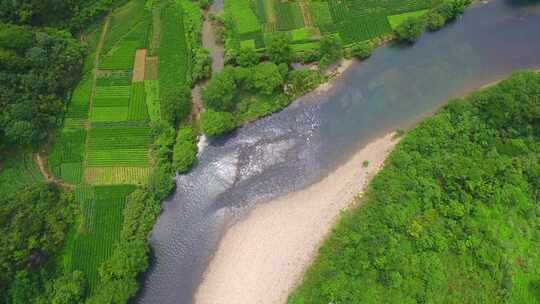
[453,217]
[263,38]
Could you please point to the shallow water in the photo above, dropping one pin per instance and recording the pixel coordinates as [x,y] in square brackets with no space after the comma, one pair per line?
[298,146]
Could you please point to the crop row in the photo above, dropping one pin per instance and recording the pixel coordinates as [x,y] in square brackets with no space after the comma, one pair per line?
[244,18]
[112,91]
[389,7]
[102,114]
[69,148]
[100,135]
[103,218]
[364,28]
[110,102]
[320,13]
[289,16]
[173,64]
[123,21]
[137,106]
[118,157]
[120,57]
[151,88]
[117,175]
[114,78]
[71,172]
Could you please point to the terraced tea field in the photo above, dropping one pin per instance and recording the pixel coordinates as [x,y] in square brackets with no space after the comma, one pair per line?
[103,149]
[255,22]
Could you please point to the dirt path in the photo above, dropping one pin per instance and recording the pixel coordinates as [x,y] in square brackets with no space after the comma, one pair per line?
[139,65]
[44,172]
[305,14]
[216,53]
[262,257]
[49,178]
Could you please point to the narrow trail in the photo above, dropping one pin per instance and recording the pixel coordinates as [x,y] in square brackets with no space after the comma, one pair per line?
[305,14]
[216,54]
[49,178]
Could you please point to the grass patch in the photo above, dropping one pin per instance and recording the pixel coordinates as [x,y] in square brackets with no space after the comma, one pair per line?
[151,87]
[173,63]
[16,172]
[396,20]
[137,105]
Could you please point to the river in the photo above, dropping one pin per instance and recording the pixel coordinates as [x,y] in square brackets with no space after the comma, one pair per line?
[292,149]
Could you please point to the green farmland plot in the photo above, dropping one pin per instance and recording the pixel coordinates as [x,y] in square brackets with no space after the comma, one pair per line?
[353,20]
[151,88]
[105,114]
[118,146]
[102,222]
[137,106]
[68,148]
[173,64]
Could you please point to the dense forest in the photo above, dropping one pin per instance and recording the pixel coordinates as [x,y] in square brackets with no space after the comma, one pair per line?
[453,217]
[37,68]
[40,62]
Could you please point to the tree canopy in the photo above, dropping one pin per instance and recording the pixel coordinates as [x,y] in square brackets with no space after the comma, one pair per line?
[37,68]
[453,217]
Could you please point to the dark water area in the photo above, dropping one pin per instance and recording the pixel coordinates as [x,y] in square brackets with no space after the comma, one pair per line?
[292,149]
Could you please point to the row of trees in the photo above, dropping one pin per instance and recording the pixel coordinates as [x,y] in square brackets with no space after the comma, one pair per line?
[412,28]
[453,217]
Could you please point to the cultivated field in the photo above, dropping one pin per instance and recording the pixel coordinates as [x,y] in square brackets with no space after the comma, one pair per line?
[255,22]
[103,149]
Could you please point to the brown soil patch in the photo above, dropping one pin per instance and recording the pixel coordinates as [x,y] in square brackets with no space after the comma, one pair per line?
[151,68]
[305,14]
[139,65]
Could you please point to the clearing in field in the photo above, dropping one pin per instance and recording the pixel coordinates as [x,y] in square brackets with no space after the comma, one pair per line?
[139,67]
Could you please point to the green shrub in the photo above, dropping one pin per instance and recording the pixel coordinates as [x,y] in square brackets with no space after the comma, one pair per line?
[279,49]
[435,21]
[185,150]
[218,94]
[331,50]
[362,50]
[300,82]
[247,57]
[202,65]
[176,105]
[217,123]
[265,78]
[411,29]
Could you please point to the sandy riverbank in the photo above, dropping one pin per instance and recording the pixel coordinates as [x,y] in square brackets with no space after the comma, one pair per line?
[261,258]
[334,74]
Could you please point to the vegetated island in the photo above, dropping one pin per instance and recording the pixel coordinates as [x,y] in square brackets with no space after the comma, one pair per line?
[111,117]
[453,217]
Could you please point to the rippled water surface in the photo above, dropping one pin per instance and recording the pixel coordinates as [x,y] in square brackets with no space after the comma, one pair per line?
[298,146]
